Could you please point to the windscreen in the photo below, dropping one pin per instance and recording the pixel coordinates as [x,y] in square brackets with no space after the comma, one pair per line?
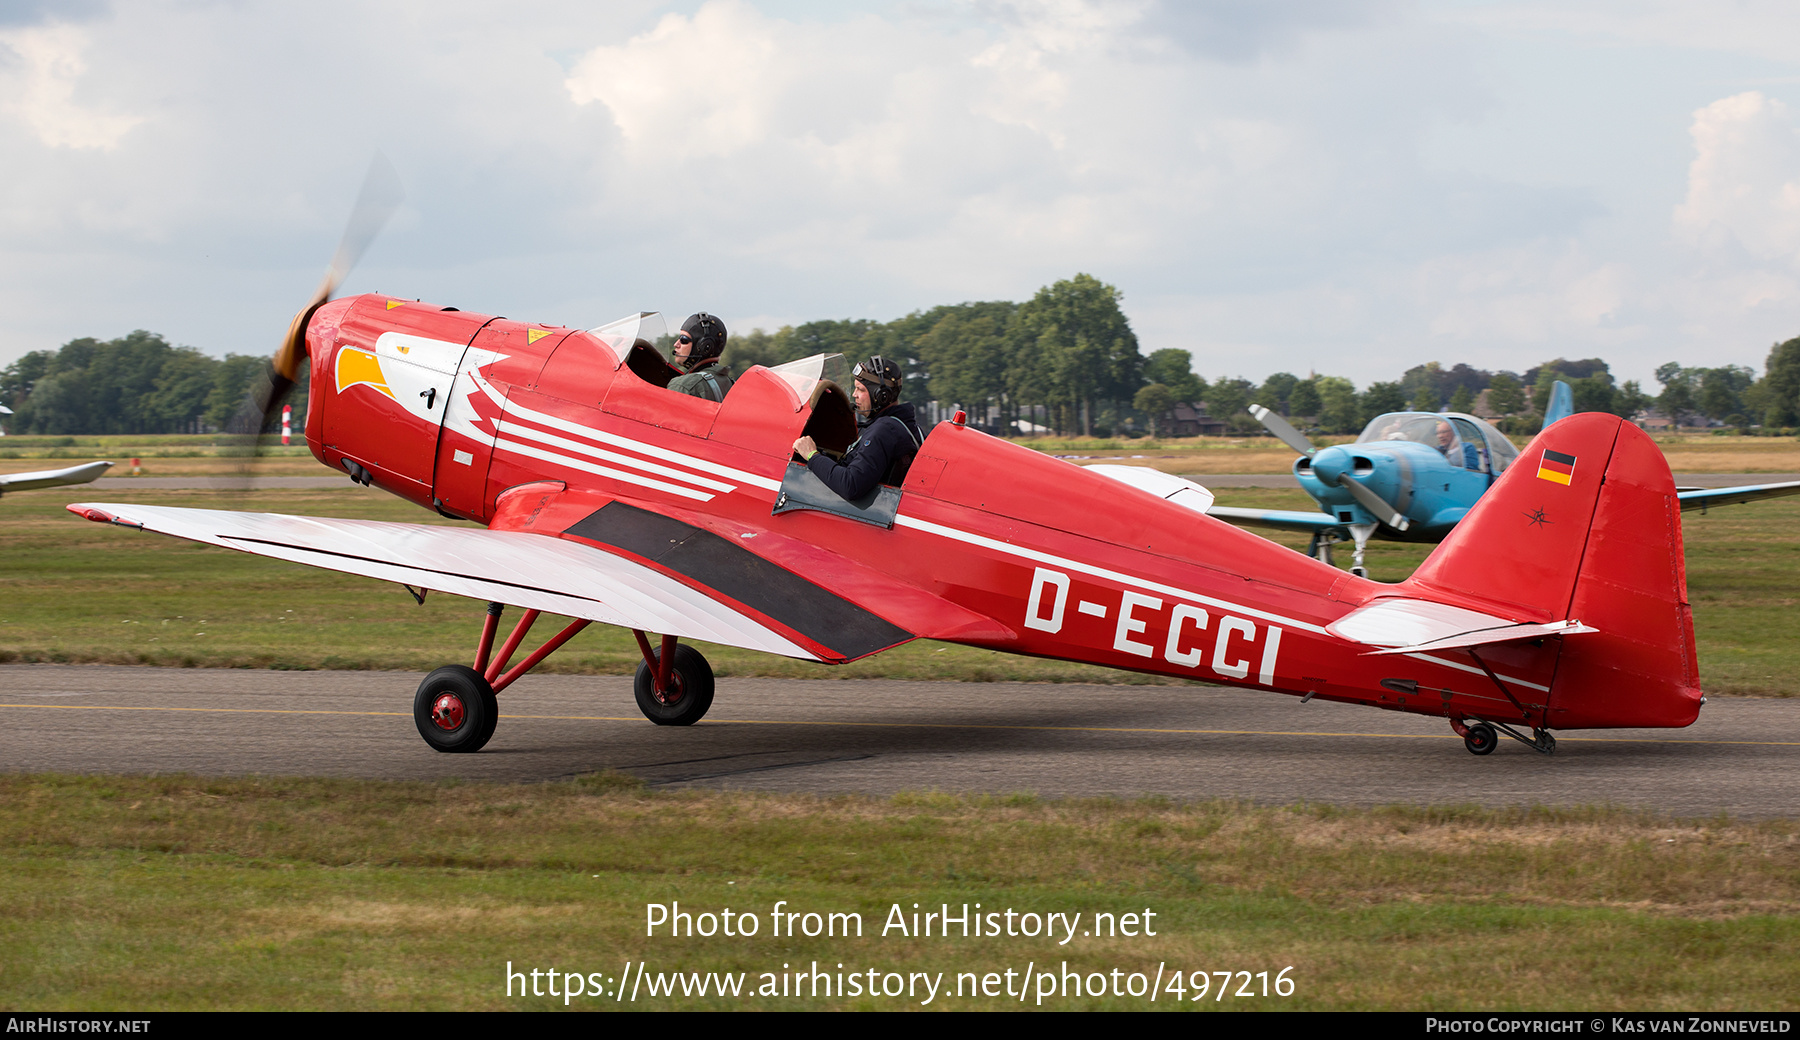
[805,375]
[647,328]
[1427,428]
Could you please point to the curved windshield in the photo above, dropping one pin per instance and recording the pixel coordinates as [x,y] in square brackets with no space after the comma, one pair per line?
[805,375]
[647,328]
[1425,428]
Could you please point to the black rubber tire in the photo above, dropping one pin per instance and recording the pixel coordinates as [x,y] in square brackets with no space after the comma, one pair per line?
[469,693]
[692,679]
[1481,739]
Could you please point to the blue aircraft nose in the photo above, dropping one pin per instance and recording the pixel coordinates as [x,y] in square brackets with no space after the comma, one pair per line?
[1328,463]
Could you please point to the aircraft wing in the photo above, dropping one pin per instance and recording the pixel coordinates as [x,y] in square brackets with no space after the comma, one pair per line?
[1277,519]
[649,572]
[1706,498]
[44,478]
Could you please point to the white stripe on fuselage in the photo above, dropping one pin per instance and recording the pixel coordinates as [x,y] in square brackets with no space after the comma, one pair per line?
[603,471]
[1143,583]
[520,430]
[666,454]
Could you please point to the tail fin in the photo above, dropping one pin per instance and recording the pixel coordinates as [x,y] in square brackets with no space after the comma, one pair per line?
[1585,525]
[1562,403]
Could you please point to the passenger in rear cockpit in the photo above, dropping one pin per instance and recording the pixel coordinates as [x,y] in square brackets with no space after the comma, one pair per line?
[890,436]
[697,351]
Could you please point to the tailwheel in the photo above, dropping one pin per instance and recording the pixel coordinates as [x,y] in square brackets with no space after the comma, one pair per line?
[1481,739]
[455,709]
[684,698]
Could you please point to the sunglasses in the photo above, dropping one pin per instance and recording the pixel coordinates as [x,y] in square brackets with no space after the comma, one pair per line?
[684,338]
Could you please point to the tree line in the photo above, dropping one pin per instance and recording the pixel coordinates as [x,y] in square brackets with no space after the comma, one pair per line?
[1066,360]
[138,383]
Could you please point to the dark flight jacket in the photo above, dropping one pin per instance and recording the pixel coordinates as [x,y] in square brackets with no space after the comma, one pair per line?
[881,455]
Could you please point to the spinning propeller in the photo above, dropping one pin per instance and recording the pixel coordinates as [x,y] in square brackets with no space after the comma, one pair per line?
[1375,504]
[375,204]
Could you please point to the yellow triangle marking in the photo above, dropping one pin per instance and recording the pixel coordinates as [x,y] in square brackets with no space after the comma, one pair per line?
[396,303]
[533,335]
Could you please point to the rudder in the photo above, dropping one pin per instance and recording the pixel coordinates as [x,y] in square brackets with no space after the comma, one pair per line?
[1586,525]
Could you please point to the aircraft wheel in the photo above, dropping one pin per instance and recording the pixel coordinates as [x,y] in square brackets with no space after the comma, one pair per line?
[690,692]
[1481,739]
[455,709]
[1361,572]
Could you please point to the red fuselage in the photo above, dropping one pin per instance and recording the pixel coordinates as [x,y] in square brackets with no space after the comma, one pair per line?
[450,410]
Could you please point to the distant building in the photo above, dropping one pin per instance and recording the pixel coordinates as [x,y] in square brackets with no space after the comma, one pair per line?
[1190,420]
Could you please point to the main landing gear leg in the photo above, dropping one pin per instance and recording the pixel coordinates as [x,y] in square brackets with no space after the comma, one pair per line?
[1361,533]
[674,685]
[1320,547]
[455,708]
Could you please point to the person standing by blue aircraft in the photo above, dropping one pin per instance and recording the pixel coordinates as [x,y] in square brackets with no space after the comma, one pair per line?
[889,440]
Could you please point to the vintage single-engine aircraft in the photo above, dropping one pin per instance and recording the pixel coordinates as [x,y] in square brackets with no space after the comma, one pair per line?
[1559,602]
[1411,476]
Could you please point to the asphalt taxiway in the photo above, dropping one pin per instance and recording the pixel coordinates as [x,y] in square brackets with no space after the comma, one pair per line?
[882,736]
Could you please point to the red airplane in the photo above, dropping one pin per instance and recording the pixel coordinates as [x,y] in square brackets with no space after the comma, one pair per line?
[1559,603]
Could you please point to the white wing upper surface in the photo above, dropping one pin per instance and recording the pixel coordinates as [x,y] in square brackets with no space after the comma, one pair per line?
[525,570]
[44,478]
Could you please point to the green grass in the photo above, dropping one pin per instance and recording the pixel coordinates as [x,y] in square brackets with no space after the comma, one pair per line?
[184,893]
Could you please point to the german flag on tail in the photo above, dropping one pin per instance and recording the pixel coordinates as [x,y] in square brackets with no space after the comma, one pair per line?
[1557,467]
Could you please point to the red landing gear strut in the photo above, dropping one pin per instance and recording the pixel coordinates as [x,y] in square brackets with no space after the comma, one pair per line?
[456,709]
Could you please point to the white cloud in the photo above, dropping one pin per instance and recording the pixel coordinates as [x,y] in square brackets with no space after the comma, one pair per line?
[41,89]
[1744,183]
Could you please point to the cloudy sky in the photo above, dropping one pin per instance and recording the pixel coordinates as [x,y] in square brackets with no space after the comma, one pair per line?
[1351,188]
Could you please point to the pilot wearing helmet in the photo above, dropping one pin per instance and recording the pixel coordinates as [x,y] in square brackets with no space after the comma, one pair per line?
[889,440]
[697,351]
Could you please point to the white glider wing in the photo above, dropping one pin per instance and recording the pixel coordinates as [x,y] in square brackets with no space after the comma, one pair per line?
[44,478]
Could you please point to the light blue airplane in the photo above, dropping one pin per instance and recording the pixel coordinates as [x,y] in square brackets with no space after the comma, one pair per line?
[1410,476]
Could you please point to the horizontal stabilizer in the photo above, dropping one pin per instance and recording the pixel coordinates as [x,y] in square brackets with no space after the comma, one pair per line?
[1410,626]
[1179,490]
